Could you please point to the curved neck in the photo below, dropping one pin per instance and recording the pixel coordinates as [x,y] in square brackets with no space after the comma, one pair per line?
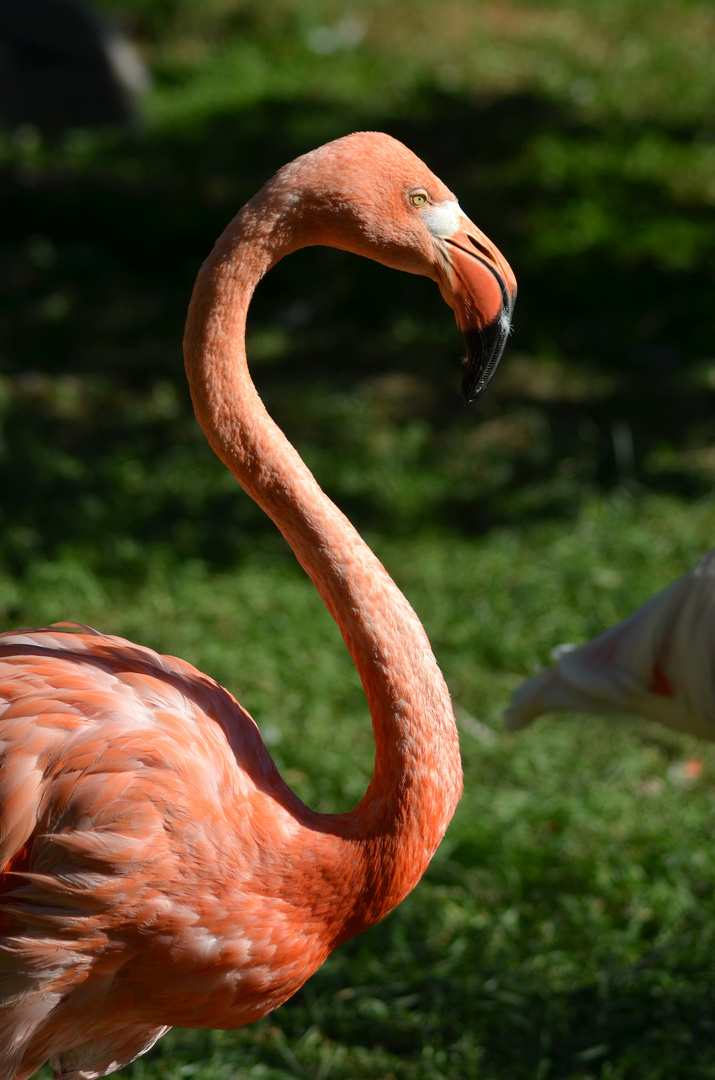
[382,847]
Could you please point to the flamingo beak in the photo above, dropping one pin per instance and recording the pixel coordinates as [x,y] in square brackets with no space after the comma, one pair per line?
[479,285]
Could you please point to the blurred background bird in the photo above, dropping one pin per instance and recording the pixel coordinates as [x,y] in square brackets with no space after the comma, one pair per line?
[658,663]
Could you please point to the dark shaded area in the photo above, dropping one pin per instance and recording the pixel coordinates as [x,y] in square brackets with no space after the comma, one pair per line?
[96,271]
[62,66]
[660,1011]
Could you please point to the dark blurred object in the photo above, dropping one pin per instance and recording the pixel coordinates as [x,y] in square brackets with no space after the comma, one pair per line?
[63,66]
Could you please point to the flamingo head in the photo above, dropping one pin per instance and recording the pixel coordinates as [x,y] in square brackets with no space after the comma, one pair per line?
[369,194]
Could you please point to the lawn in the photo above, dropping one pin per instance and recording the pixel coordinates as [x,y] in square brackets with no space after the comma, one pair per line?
[565,927]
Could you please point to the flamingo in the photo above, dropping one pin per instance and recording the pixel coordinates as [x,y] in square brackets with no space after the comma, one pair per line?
[658,663]
[156,869]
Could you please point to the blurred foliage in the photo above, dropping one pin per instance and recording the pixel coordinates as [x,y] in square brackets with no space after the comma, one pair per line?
[615,272]
[565,927]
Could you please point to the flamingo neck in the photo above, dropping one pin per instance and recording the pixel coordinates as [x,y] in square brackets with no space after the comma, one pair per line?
[375,854]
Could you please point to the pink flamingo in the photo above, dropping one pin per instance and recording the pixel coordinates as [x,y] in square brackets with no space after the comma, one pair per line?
[658,663]
[156,869]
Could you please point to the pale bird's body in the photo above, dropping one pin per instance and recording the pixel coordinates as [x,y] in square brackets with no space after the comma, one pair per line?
[154,867]
[658,663]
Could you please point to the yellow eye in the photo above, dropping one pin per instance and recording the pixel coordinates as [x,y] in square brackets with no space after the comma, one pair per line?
[418,198]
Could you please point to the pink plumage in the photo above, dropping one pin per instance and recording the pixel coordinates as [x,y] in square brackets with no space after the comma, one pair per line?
[154,867]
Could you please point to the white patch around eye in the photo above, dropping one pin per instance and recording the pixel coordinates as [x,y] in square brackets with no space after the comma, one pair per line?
[442,219]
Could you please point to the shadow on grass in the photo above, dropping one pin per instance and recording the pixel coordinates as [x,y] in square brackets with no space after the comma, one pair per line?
[97,266]
[653,1020]
[638,1026]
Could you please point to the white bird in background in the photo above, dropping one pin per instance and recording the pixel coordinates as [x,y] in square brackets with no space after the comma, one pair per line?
[658,663]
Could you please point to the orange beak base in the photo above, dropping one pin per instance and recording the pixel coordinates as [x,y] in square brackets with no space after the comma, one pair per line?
[481,291]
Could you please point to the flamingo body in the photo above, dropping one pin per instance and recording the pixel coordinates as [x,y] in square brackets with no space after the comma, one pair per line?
[143,831]
[658,663]
[154,867]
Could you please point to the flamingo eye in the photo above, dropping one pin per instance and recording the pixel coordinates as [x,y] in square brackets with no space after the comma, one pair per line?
[418,198]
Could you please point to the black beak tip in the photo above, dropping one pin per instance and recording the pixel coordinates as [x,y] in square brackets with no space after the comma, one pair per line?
[484,350]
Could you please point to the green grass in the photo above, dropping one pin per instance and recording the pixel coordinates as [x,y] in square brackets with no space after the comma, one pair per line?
[564,929]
